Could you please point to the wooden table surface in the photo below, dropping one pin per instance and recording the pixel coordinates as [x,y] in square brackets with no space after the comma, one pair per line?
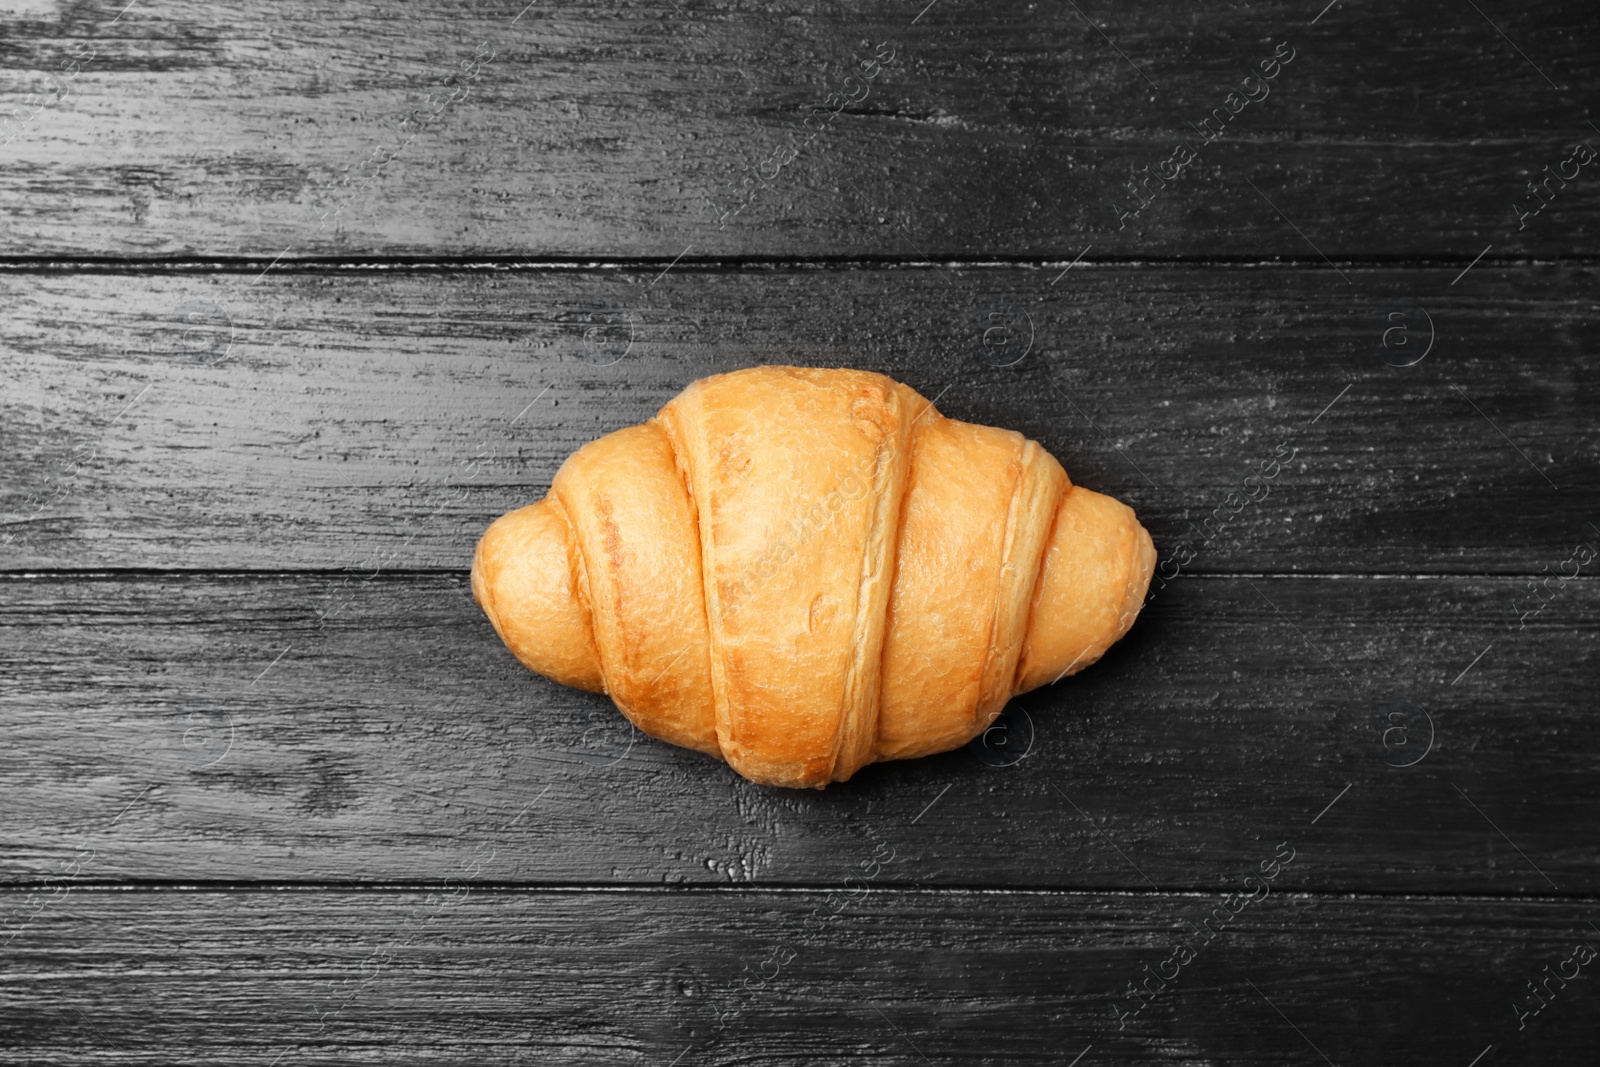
[300,296]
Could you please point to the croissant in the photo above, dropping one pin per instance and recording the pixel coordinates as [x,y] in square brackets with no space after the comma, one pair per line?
[805,571]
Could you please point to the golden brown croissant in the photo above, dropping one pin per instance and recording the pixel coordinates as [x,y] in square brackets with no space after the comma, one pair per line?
[805,571]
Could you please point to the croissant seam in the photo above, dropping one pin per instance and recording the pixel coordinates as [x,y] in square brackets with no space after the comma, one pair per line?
[579,565]
[859,711]
[1007,545]
[1033,594]
[913,440]
[684,460]
[682,473]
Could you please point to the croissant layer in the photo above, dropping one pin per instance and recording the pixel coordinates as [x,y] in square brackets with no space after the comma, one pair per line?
[805,571]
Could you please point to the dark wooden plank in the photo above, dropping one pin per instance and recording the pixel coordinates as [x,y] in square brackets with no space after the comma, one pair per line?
[804,977]
[240,728]
[382,418]
[317,128]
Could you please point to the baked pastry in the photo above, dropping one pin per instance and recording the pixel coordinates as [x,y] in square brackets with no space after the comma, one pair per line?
[804,571]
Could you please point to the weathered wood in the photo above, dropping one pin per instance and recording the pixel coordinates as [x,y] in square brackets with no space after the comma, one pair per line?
[741,977]
[292,728]
[382,418]
[333,129]
[299,297]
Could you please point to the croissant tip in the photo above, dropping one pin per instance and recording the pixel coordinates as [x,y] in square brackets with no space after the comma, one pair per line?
[1092,589]
[521,581]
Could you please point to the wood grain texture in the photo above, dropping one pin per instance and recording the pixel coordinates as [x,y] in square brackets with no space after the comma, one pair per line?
[300,296]
[310,128]
[317,728]
[883,977]
[382,418]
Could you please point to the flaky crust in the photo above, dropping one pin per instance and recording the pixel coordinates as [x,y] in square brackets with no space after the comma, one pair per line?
[804,571]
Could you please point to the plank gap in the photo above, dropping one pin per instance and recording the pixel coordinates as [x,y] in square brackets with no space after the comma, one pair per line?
[253,265]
